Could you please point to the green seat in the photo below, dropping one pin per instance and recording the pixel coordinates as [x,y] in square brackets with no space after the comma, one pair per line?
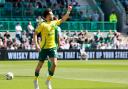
[2,19]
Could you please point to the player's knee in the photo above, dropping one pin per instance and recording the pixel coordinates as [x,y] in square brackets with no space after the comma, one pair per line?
[37,69]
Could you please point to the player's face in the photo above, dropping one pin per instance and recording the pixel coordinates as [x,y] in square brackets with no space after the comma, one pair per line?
[50,16]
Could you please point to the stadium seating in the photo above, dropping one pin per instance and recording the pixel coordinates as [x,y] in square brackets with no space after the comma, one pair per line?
[80,21]
[28,10]
[82,15]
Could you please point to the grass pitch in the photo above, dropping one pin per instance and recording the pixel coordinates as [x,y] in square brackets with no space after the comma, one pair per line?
[98,74]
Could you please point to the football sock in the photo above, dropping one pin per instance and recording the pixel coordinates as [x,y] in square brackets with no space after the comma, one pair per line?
[49,77]
[49,66]
[36,74]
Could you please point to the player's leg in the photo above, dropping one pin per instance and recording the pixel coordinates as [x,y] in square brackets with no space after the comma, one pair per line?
[52,66]
[52,53]
[86,56]
[37,70]
[42,57]
[49,65]
[52,62]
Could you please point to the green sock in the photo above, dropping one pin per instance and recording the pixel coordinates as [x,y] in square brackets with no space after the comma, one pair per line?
[49,67]
[36,74]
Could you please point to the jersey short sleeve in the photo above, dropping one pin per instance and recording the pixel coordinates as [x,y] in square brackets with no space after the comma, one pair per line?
[58,22]
[39,28]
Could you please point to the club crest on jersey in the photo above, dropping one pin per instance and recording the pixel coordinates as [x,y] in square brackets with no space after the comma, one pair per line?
[50,33]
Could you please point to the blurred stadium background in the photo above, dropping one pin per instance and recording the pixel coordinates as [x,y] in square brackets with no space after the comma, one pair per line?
[90,24]
[100,27]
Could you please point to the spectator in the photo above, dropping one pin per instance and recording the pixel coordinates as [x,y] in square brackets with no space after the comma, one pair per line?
[5,43]
[8,8]
[23,36]
[67,45]
[26,45]
[81,39]
[109,46]
[16,43]
[17,11]
[29,9]
[30,30]
[75,34]
[62,43]
[126,45]
[48,3]
[32,45]
[18,29]
[9,45]
[121,44]
[88,16]
[82,16]
[87,35]
[64,34]
[115,41]
[63,2]
[74,44]
[1,43]
[102,46]
[97,36]
[39,19]
[109,36]
[1,37]
[7,35]
[74,2]
[39,4]
[113,17]
[95,16]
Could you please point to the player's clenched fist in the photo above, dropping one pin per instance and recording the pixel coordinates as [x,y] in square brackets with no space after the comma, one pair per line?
[69,8]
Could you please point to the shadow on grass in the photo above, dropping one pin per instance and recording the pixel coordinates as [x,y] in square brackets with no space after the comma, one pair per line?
[2,77]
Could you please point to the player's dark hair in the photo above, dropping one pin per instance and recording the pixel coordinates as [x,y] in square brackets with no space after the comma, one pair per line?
[46,12]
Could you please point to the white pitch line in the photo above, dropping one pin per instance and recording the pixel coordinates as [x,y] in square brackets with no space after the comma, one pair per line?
[116,82]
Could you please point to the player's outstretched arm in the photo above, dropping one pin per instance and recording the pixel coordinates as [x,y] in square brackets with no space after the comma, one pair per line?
[66,16]
[36,42]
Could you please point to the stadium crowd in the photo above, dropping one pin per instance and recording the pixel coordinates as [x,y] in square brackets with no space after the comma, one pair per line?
[23,39]
[34,8]
[98,40]
[69,40]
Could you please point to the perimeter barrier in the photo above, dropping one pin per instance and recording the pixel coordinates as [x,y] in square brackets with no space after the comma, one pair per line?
[64,54]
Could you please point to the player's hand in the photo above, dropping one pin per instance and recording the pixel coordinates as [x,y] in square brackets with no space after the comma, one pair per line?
[69,8]
[38,48]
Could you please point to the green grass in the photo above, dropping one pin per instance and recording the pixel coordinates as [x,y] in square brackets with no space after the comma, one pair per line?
[111,74]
